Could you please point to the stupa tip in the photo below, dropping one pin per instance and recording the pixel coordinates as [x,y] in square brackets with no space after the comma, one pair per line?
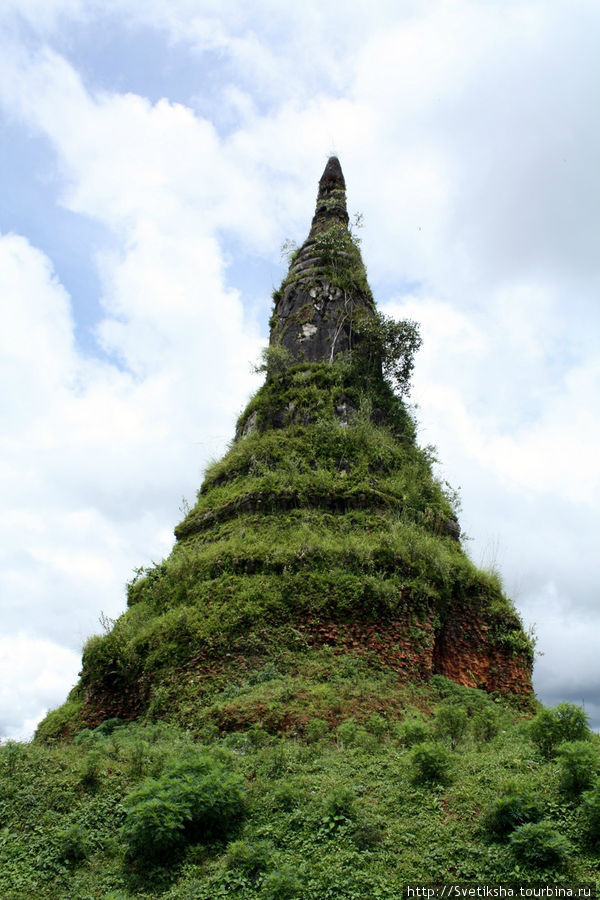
[332,176]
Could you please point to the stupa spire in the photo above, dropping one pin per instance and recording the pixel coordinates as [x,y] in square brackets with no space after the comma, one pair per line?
[325,291]
[331,199]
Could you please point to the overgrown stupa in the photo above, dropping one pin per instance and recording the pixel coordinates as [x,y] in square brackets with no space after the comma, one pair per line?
[321,531]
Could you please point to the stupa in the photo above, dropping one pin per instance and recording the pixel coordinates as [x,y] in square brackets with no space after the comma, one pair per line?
[321,530]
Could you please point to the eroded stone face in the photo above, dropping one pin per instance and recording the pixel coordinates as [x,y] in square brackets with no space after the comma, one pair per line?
[315,320]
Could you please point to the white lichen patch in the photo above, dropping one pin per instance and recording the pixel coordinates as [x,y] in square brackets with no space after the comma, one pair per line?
[307,331]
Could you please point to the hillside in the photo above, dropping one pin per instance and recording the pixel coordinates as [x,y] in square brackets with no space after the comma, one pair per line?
[420,783]
[316,694]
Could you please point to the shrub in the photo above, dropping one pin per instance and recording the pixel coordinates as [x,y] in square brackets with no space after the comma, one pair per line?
[138,757]
[195,800]
[251,859]
[431,763]
[393,344]
[589,816]
[92,771]
[367,835]
[86,738]
[72,845]
[485,724]
[282,884]
[107,727]
[208,734]
[257,736]
[339,810]
[565,722]
[451,723]
[11,755]
[350,734]
[346,733]
[578,766]
[364,739]
[287,797]
[315,730]
[540,845]
[376,725]
[341,802]
[414,731]
[513,808]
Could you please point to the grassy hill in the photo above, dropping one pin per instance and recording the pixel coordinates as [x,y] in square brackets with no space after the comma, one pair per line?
[420,783]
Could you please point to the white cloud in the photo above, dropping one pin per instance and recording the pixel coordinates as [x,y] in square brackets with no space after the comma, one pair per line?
[42,670]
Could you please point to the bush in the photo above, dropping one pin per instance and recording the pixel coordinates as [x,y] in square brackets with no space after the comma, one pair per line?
[414,731]
[72,845]
[138,757]
[451,723]
[578,766]
[251,859]
[341,801]
[515,807]
[485,724]
[339,809]
[376,725]
[282,884]
[345,732]
[287,797]
[194,800]
[349,733]
[367,835]
[315,730]
[108,727]
[565,722]
[92,771]
[431,763]
[12,754]
[540,845]
[589,816]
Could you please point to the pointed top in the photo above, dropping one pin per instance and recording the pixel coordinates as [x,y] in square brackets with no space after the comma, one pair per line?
[331,199]
[332,177]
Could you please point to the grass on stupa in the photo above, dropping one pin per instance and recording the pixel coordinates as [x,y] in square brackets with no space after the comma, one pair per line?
[325,813]
[316,518]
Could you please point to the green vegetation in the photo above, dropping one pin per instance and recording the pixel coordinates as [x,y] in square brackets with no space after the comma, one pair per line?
[579,764]
[194,801]
[431,763]
[551,727]
[540,846]
[345,812]
[515,806]
[337,261]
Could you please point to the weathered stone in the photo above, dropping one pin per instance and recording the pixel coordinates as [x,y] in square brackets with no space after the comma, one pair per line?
[328,269]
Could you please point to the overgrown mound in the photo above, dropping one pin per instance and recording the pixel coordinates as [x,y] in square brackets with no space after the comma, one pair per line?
[323,525]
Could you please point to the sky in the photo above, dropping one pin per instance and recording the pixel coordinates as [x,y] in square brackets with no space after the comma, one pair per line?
[154,157]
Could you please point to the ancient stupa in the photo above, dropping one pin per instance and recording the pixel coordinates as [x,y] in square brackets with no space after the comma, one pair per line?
[321,529]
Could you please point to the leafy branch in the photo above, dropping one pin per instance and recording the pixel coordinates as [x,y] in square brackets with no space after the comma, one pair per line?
[391,345]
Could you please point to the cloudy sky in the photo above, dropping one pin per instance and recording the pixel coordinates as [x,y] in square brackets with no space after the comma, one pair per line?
[156,154]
